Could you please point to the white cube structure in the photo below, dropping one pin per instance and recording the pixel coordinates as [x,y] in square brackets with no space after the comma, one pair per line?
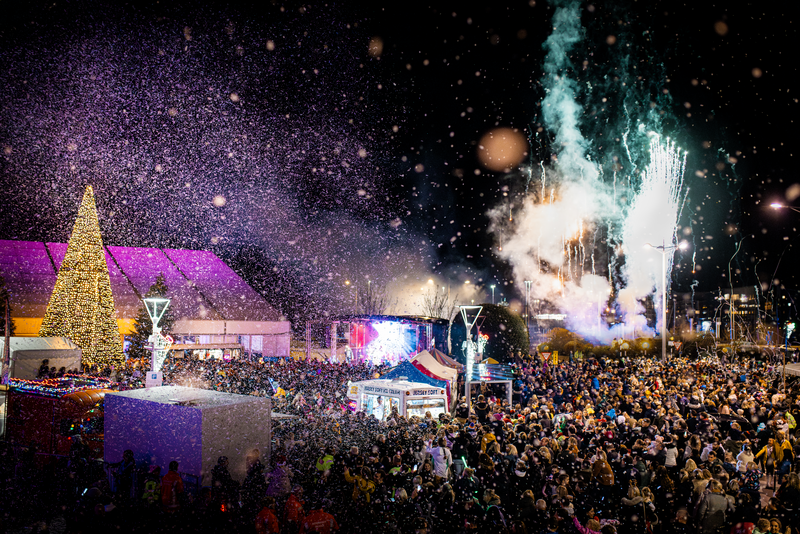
[192,426]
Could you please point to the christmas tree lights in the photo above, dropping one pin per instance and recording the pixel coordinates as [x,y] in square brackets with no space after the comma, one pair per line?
[81,307]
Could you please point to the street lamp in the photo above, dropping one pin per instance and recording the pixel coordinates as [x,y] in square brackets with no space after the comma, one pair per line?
[492,286]
[789,329]
[663,249]
[789,326]
[778,205]
[528,284]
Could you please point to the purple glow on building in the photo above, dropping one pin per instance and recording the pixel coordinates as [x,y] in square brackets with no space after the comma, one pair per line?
[200,284]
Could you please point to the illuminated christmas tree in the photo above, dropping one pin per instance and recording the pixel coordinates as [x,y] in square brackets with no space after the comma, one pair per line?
[82,307]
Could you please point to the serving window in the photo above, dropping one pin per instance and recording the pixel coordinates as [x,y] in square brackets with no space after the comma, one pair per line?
[380,406]
[419,407]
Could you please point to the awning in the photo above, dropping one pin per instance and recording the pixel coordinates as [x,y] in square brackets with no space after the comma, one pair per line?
[426,360]
[407,371]
[445,360]
[793,369]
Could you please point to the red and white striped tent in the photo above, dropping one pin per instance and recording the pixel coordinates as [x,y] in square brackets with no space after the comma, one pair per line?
[428,365]
[446,360]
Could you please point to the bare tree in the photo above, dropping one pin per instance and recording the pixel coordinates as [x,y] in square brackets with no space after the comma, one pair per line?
[374,300]
[435,304]
[440,305]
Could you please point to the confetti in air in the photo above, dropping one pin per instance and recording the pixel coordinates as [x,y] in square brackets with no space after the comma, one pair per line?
[213,130]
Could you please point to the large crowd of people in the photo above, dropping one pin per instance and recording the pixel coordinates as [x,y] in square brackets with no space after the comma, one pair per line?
[633,446]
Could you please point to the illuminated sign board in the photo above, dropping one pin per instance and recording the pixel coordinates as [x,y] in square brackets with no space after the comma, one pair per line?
[423,392]
[382,391]
[377,390]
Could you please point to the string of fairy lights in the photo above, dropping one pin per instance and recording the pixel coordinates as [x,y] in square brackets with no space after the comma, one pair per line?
[81,307]
[60,386]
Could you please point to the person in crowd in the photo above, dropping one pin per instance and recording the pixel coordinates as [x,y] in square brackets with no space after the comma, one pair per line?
[152,487]
[126,470]
[442,459]
[744,457]
[571,450]
[713,510]
[172,489]
[224,489]
[771,456]
[267,519]
[294,514]
[762,527]
[319,521]
[44,369]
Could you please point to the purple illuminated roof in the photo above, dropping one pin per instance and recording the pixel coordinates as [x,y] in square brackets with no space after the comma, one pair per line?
[200,284]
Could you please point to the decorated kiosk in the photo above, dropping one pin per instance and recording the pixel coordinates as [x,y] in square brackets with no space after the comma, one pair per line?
[380,397]
[482,373]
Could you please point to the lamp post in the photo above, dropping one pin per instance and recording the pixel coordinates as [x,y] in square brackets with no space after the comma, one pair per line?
[528,284]
[159,345]
[778,206]
[492,286]
[789,329]
[6,344]
[663,249]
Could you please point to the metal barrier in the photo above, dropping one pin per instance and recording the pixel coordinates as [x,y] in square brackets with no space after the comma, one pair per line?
[101,469]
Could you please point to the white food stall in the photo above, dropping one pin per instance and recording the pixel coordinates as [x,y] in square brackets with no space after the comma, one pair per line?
[379,397]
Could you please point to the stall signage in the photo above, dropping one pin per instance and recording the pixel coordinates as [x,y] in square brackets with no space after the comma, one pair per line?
[418,392]
[382,391]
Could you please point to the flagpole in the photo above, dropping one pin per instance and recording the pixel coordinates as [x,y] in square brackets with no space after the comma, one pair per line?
[7,344]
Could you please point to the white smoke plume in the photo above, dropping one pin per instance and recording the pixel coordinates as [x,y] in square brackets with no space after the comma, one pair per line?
[571,220]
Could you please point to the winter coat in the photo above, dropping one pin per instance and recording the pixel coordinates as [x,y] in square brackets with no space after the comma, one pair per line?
[280,482]
[671,459]
[772,455]
[171,490]
[583,530]
[361,486]
[442,460]
[711,514]
[602,473]
[633,514]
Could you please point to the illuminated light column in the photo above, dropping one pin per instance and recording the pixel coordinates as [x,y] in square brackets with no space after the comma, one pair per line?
[334,329]
[159,345]
[469,345]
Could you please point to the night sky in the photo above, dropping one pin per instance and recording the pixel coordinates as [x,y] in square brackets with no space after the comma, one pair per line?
[312,144]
